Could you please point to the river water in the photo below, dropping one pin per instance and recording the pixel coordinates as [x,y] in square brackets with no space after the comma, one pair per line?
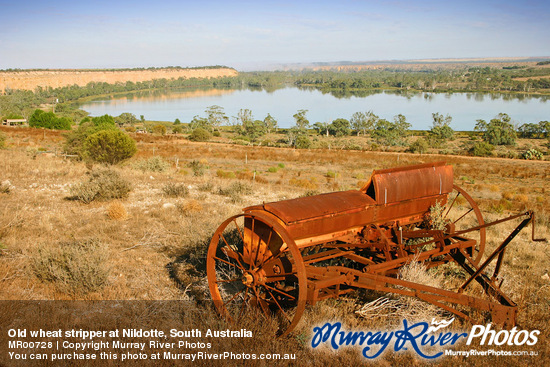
[282,104]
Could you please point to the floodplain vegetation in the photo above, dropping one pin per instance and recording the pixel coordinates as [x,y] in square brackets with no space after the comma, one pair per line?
[139,230]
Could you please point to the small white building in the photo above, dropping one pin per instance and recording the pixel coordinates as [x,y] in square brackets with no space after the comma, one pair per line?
[14,122]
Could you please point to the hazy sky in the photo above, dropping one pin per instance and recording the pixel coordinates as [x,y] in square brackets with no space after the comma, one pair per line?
[244,34]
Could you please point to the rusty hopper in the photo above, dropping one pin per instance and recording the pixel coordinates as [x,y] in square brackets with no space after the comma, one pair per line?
[283,255]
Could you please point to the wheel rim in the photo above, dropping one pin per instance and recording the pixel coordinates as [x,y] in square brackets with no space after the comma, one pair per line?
[252,262]
[463,212]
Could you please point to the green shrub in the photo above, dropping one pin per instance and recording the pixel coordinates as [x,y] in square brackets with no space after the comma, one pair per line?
[273,169]
[482,149]
[200,134]
[75,139]
[419,146]
[153,164]
[109,146]
[175,190]
[74,267]
[225,174]
[302,142]
[159,129]
[104,184]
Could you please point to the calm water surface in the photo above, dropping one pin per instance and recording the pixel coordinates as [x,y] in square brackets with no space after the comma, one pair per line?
[282,104]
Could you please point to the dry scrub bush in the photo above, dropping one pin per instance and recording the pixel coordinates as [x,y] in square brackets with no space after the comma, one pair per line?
[104,184]
[235,190]
[117,211]
[175,190]
[74,267]
[225,174]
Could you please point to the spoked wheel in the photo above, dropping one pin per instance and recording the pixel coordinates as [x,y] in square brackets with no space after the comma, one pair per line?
[462,211]
[253,263]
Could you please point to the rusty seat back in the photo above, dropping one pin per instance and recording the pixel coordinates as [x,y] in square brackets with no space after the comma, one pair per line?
[394,185]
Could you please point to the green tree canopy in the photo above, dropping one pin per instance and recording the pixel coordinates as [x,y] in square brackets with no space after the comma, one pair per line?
[49,120]
[340,127]
[441,130]
[302,123]
[270,123]
[126,118]
[216,117]
[499,131]
[392,133]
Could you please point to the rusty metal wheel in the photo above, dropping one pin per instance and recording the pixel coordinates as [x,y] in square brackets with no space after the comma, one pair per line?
[462,211]
[252,263]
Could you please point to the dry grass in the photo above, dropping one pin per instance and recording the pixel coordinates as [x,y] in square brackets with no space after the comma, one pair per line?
[158,251]
[117,211]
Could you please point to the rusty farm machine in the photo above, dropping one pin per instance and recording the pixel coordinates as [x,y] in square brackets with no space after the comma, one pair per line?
[281,256]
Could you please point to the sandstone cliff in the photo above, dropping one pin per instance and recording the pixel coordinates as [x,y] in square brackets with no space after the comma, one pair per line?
[31,79]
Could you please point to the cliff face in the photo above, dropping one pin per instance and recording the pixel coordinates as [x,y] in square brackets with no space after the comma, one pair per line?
[31,79]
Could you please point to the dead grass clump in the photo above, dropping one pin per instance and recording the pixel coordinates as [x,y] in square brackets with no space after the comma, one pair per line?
[508,195]
[104,184]
[190,207]
[401,307]
[304,183]
[153,164]
[76,267]
[245,175]
[175,190]
[494,188]
[522,198]
[117,211]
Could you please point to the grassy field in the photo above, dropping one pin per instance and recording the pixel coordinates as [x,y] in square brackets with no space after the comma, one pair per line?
[151,244]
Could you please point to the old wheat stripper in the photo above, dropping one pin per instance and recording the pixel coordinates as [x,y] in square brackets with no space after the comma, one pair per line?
[283,255]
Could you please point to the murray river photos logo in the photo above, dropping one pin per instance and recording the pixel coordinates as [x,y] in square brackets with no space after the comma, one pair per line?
[421,337]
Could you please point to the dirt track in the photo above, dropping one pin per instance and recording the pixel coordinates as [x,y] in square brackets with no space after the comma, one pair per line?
[31,79]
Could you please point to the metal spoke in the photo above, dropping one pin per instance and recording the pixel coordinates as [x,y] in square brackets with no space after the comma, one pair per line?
[234,296]
[278,305]
[228,280]
[463,215]
[278,291]
[239,229]
[451,206]
[236,254]
[252,244]
[228,263]
[280,275]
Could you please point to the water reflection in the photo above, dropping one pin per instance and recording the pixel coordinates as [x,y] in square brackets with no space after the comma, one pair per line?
[325,105]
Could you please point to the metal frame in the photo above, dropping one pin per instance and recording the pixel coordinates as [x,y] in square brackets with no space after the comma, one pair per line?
[278,257]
